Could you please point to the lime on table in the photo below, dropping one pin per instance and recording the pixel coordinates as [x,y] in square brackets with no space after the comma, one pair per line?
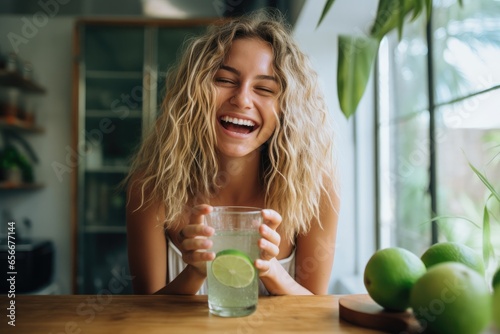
[233,268]
[389,276]
[453,252]
[452,298]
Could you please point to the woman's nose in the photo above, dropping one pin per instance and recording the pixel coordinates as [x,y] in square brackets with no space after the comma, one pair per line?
[242,98]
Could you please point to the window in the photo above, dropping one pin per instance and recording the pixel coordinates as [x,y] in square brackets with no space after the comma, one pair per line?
[438,107]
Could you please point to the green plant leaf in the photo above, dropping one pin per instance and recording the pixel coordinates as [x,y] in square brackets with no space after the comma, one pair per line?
[385,15]
[418,7]
[428,5]
[461,3]
[488,250]
[485,181]
[495,156]
[326,9]
[390,15]
[355,59]
[401,17]
[450,217]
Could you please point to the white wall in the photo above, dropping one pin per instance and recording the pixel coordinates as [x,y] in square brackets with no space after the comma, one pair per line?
[356,230]
[48,47]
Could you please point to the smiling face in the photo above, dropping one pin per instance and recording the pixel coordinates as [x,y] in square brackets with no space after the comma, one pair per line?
[247,98]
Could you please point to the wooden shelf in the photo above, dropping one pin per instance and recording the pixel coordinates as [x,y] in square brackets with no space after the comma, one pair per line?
[19,125]
[16,80]
[20,186]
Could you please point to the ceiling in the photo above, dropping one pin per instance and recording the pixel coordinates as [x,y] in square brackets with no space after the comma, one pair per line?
[148,8]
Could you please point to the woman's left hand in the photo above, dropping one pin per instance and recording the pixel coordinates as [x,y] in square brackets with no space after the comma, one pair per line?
[269,243]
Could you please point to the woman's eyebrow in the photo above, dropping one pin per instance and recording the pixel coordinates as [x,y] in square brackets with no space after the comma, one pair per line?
[260,76]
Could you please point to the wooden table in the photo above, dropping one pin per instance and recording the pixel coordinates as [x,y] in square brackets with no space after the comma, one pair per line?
[114,314]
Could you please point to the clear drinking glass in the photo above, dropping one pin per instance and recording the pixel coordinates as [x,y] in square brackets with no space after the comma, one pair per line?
[232,278]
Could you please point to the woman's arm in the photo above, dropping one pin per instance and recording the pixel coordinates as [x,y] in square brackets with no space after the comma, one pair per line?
[315,252]
[193,246]
[146,244]
[314,256]
[147,250]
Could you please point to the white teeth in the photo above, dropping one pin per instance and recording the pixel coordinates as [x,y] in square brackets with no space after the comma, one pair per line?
[238,121]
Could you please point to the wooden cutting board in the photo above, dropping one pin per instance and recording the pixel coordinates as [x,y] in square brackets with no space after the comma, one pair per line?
[361,310]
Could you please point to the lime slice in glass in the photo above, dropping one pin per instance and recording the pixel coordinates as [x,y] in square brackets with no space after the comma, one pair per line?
[233,268]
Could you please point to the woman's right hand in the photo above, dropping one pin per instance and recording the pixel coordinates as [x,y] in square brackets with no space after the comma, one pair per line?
[194,240]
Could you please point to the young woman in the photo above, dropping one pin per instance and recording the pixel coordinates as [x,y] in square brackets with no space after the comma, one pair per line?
[244,123]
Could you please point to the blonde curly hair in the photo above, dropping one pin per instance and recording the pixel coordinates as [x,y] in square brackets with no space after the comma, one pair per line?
[177,162]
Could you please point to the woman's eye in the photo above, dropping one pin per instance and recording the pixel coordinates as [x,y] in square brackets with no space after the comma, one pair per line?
[266,90]
[224,81]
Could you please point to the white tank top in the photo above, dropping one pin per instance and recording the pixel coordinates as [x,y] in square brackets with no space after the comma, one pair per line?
[176,265]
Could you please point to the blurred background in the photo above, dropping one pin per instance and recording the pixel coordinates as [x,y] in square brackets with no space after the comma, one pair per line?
[81,81]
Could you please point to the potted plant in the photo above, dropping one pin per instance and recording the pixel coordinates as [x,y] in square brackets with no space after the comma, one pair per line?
[356,54]
[15,167]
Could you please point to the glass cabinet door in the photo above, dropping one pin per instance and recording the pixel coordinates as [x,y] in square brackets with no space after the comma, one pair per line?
[170,42]
[110,122]
[121,84]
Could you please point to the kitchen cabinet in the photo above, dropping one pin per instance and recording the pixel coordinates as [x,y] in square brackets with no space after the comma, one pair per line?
[17,119]
[119,72]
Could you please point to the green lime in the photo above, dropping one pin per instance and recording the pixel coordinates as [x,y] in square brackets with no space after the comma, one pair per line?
[389,276]
[452,298]
[496,306]
[453,252]
[233,268]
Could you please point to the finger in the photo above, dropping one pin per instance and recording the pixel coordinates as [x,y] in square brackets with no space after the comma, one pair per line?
[192,244]
[262,266]
[191,231]
[268,250]
[270,234]
[198,212]
[197,256]
[271,218]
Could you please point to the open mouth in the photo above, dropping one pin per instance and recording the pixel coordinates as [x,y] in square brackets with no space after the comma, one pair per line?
[237,125]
